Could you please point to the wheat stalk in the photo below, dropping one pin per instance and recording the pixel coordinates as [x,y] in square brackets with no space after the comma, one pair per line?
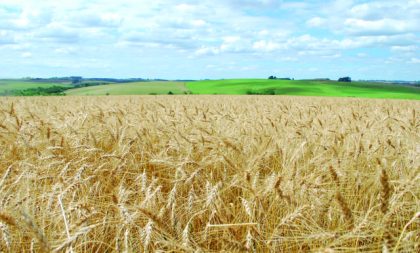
[208,174]
[386,191]
[348,215]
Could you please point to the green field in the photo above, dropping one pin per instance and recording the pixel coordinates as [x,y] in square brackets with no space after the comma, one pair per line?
[137,88]
[228,87]
[8,86]
[304,88]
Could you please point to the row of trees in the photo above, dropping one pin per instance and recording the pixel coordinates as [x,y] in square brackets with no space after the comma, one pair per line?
[276,78]
[40,91]
[341,79]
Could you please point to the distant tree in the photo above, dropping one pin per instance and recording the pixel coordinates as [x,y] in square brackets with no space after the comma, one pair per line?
[76,79]
[272,77]
[345,79]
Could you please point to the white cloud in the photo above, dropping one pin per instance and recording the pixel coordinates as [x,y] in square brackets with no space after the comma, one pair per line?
[377,27]
[198,23]
[410,48]
[6,38]
[289,59]
[231,39]
[415,60]
[26,55]
[57,33]
[30,19]
[185,7]
[267,46]
[315,22]
[207,51]
[65,50]
[361,10]
[371,18]
[89,19]
[332,56]
[162,32]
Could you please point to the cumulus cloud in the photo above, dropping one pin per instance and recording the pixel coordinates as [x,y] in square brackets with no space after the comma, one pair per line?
[378,27]
[207,51]
[57,33]
[374,18]
[316,22]
[253,32]
[267,46]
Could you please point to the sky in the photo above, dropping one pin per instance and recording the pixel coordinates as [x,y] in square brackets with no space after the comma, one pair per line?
[210,39]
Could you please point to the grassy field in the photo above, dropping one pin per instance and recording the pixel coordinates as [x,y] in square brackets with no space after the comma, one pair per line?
[138,88]
[304,88]
[8,86]
[230,87]
[209,174]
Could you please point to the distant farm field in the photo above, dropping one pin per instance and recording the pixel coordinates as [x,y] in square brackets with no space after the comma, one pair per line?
[209,174]
[219,87]
[304,88]
[138,88]
[8,86]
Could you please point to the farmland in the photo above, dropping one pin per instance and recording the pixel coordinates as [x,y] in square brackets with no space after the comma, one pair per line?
[136,88]
[8,86]
[304,88]
[211,87]
[256,86]
[209,173]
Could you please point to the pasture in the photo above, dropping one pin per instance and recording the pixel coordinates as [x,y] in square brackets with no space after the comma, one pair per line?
[209,174]
[304,88]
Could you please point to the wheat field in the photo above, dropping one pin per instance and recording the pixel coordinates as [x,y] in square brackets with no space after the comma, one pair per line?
[209,174]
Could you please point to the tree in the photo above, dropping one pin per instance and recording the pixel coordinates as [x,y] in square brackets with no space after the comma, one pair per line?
[272,77]
[76,79]
[345,79]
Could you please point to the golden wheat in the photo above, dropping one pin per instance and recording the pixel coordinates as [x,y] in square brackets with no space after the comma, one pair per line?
[208,174]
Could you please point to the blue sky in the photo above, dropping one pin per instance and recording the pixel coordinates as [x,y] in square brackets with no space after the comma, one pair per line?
[210,38]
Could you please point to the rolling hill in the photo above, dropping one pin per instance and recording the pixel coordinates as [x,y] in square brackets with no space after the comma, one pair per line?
[304,88]
[136,88]
[10,86]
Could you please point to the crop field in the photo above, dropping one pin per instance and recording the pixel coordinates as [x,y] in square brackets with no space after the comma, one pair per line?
[304,88]
[8,86]
[209,174]
[220,87]
[138,88]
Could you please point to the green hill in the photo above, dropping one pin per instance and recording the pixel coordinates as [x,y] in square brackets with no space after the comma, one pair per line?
[10,86]
[304,88]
